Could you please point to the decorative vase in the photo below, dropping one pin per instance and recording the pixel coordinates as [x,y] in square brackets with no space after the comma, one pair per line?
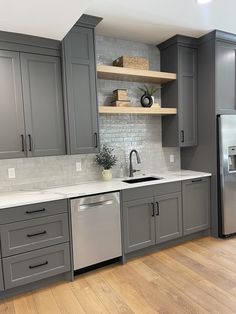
[146,101]
[106,174]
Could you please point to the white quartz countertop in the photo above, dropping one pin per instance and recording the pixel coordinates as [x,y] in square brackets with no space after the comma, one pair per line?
[26,197]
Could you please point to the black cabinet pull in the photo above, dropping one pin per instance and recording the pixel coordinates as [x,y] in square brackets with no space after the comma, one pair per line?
[35,211]
[182,136]
[153,209]
[22,143]
[95,140]
[38,265]
[36,234]
[30,142]
[196,180]
[158,209]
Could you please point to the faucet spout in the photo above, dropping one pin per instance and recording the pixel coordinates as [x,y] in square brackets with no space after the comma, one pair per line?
[131,169]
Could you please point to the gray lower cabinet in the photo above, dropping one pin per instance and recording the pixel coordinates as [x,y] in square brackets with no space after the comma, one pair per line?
[179,55]
[81,91]
[12,127]
[196,205]
[23,236]
[43,103]
[168,217]
[1,277]
[139,224]
[153,220]
[39,264]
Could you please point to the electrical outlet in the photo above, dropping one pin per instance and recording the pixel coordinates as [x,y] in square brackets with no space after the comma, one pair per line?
[78,166]
[11,173]
[172,158]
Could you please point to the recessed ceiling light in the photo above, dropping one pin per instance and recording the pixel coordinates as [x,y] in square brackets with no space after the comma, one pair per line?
[203,1]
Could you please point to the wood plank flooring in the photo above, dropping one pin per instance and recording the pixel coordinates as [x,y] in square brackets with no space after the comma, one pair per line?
[195,277]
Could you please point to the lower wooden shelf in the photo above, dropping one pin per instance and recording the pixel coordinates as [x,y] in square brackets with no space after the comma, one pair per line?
[138,110]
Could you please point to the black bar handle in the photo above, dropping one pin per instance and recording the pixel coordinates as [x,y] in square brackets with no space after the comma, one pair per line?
[182,136]
[22,143]
[153,209]
[95,140]
[30,142]
[36,234]
[38,265]
[158,209]
[35,211]
[197,180]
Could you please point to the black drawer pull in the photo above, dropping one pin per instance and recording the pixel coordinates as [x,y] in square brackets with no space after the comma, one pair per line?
[30,142]
[22,143]
[36,234]
[38,265]
[35,211]
[95,140]
[158,209]
[182,136]
[197,180]
[153,209]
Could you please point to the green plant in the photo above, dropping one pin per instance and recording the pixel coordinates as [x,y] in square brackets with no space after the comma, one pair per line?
[105,158]
[149,90]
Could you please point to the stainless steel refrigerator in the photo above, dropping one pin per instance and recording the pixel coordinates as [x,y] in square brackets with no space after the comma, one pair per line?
[227,173]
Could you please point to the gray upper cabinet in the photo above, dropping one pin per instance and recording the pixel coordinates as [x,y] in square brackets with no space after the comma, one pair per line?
[1,277]
[169,217]
[225,67]
[196,205]
[179,55]
[81,90]
[139,224]
[12,128]
[42,93]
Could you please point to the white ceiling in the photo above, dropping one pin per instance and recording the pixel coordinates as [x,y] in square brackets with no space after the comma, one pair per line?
[45,18]
[150,21]
[153,21]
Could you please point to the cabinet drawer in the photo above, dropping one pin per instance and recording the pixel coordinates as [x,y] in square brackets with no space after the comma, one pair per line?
[24,236]
[151,190]
[29,267]
[26,212]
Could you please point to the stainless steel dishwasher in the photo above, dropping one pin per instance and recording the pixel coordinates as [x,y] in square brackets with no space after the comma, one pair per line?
[96,229]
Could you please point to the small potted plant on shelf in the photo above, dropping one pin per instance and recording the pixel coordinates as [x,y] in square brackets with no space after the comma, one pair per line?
[147,99]
[107,160]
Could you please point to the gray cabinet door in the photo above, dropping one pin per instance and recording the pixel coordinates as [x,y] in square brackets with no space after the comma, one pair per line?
[168,217]
[80,90]
[196,205]
[43,103]
[1,277]
[139,224]
[12,129]
[187,109]
[225,76]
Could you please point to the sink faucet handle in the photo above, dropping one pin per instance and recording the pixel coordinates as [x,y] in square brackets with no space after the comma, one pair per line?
[134,170]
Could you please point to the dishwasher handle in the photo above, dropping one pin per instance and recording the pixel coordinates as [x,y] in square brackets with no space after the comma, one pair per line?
[95,204]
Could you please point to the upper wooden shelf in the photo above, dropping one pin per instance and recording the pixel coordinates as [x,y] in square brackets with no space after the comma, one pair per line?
[138,110]
[126,74]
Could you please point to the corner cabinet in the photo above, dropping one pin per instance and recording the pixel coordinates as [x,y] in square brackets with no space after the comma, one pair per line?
[179,54]
[196,205]
[80,87]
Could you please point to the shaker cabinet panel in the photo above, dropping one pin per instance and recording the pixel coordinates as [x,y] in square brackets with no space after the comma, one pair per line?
[169,217]
[196,205]
[81,91]
[139,224]
[12,129]
[44,116]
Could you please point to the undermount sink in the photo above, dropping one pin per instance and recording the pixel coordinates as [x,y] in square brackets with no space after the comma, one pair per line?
[139,180]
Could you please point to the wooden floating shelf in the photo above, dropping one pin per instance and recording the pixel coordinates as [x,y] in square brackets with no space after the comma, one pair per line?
[138,110]
[126,74]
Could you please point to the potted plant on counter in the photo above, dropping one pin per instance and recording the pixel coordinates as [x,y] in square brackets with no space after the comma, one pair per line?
[106,160]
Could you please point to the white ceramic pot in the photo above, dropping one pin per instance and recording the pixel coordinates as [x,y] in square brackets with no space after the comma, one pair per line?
[107,175]
[153,100]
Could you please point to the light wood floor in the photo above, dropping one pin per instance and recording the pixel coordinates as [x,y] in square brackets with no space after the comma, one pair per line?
[196,277]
